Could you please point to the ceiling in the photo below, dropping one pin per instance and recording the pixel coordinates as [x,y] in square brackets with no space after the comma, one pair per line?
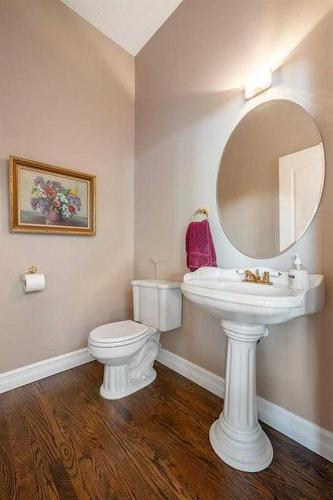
[129,23]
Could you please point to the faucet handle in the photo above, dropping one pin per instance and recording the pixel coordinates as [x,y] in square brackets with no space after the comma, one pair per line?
[248,275]
[266,277]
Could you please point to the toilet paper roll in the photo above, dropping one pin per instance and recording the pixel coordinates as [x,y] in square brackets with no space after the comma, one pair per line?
[33,282]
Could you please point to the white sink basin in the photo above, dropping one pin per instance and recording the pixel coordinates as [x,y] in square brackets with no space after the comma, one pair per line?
[245,310]
[223,293]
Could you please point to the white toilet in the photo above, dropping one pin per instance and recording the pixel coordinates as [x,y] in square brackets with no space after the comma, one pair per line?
[128,349]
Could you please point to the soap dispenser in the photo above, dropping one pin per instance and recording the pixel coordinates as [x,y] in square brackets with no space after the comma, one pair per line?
[298,274]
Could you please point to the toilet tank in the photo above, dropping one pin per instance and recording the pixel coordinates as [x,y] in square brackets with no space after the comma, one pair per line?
[157,303]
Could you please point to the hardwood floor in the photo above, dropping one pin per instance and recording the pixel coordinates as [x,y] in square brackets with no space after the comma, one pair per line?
[60,440]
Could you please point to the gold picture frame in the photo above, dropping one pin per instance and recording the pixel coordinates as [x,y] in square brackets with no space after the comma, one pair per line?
[46,198]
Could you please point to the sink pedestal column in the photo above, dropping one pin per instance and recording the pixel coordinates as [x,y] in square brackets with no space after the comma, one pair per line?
[236,436]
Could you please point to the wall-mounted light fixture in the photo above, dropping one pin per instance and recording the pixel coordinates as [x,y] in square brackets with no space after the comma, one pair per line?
[258,82]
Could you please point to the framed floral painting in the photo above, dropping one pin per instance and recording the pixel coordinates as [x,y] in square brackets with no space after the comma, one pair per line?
[49,199]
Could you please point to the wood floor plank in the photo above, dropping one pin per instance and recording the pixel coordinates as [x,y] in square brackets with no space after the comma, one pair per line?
[165,458]
[8,483]
[60,440]
[135,455]
[70,458]
[30,458]
[103,459]
[62,481]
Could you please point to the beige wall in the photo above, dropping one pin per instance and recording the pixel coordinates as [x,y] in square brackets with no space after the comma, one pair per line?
[67,98]
[188,99]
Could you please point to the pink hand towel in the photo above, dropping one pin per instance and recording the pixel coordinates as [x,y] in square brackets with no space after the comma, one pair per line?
[200,251]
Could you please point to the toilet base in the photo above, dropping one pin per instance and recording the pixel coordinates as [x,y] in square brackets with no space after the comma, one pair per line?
[133,386]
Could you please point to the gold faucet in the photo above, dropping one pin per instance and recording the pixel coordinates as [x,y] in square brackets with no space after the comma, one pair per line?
[251,277]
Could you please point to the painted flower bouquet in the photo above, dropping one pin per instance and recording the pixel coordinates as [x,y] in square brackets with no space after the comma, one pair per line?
[54,201]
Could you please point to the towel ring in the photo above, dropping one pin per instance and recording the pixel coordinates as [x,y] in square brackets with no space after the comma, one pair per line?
[200,211]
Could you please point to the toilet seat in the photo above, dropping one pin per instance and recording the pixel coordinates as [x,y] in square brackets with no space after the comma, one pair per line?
[119,333]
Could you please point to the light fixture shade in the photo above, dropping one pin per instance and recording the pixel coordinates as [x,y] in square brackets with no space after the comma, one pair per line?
[258,82]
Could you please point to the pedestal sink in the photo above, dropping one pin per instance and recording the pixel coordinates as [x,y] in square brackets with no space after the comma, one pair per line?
[245,309]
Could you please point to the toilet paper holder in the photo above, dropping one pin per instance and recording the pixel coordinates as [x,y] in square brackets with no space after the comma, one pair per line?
[30,270]
[32,280]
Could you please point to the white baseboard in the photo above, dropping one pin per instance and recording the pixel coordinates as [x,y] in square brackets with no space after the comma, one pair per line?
[213,383]
[308,434]
[36,371]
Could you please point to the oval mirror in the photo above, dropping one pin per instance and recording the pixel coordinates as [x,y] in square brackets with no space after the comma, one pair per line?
[270,179]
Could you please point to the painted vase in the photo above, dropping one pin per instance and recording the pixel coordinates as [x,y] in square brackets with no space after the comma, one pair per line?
[53,217]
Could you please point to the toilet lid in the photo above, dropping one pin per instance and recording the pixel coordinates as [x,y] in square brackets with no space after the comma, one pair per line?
[118,331]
